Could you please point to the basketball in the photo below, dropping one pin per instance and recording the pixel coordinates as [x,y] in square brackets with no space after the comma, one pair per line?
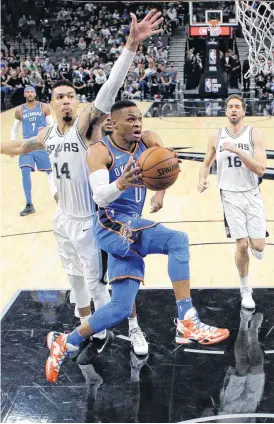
[159,167]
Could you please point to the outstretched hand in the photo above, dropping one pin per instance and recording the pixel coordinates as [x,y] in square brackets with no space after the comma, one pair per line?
[140,31]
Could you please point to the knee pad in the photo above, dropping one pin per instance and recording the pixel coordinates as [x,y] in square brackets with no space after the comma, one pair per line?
[122,311]
[123,297]
[81,295]
[178,244]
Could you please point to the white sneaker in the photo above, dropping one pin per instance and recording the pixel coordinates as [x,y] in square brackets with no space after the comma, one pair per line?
[247,300]
[138,341]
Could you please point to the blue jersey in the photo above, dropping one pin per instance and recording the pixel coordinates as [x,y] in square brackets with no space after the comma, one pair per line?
[32,120]
[131,201]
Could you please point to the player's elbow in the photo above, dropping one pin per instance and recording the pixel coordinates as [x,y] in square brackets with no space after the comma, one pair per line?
[261,170]
[100,202]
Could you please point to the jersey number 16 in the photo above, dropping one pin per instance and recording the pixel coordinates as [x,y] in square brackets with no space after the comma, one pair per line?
[235,162]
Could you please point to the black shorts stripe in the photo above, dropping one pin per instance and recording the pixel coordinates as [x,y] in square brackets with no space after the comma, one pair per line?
[108,223]
[104,257]
[227,230]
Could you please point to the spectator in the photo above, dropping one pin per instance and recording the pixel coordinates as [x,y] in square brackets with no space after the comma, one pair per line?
[64,69]
[47,66]
[228,68]
[100,79]
[116,14]
[62,15]
[31,66]
[173,72]
[17,88]
[25,77]
[235,72]
[69,40]
[22,21]
[82,44]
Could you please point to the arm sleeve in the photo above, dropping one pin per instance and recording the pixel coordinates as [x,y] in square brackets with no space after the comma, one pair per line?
[14,130]
[103,192]
[49,120]
[106,96]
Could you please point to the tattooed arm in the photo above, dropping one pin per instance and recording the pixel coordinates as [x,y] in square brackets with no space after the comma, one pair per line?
[24,146]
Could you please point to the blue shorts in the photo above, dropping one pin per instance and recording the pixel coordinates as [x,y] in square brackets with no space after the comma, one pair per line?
[127,240]
[39,157]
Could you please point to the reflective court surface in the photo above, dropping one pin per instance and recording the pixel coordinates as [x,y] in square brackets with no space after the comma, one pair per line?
[171,384]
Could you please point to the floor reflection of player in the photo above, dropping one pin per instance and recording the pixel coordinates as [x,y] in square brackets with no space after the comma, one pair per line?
[243,385]
[104,403]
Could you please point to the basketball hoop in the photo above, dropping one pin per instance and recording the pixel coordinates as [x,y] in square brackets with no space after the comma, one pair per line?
[214,27]
[256,19]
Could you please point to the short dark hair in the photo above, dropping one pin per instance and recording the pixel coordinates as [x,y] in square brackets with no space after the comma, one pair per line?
[122,104]
[238,97]
[62,83]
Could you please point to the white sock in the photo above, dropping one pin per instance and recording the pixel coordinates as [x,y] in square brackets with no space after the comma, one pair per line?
[84,319]
[101,335]
[258,255]
[132,323]
[244,281]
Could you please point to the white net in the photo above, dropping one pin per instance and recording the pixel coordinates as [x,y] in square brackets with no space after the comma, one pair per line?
[257,21]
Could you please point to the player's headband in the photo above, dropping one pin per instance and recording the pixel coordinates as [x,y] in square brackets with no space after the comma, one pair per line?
[29,88]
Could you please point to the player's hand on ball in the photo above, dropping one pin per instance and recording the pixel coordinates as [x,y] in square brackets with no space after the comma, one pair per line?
[172,150]
[157,201]
[131,177]
[202,186]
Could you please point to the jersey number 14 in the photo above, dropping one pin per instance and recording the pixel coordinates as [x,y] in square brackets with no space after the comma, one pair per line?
[63,170]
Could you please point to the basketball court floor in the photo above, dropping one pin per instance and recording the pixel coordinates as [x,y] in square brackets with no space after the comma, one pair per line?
[172,384]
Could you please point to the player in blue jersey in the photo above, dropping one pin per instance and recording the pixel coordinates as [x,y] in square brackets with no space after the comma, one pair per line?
[34,116]
[128,238]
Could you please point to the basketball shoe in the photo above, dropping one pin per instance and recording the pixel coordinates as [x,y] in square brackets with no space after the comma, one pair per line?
[247,300]
[59,350]
[27,210]
[138,341]
[94,347]
[192,329]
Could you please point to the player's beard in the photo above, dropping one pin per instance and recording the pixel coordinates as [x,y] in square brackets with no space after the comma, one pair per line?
[235,121]
[67,118]
[108,132]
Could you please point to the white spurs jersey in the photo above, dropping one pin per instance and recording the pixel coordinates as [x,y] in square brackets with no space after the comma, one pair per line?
[232,173]
[67,154]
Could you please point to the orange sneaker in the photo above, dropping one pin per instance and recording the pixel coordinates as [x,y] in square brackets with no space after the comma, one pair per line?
[59,350]
[192,329]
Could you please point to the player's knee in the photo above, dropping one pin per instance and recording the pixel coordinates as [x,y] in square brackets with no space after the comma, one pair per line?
[179,245]
[122,311]
[82,299]
[242,245]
